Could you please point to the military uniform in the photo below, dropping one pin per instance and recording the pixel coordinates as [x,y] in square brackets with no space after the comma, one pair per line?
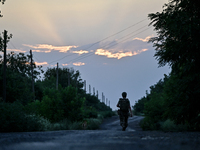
[124,112]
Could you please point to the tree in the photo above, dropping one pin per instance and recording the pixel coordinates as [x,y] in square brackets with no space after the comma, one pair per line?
[178,28]
[18,77]
[2,1]
[63,74]
[178,45]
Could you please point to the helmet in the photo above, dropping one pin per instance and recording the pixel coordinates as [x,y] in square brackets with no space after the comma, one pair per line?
[124,94]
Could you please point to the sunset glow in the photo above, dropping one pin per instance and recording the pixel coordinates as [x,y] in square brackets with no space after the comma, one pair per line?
[65,64]
[144,40]
[78,64]
[117,55]
[80,52]
[41,64]
[62,49]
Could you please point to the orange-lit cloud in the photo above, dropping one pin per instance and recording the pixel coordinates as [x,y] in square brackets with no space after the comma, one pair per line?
[16,50]
[144,40]
[80,52]
[62,49]
[65,64]
[42,51]
[41,64]
[78,64]
[117,55]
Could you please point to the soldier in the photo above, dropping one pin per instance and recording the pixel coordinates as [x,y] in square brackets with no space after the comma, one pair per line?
[124,105]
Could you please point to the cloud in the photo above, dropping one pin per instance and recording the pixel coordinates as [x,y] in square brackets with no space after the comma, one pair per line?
[65,64]
[144,40]
[62,49]
[80,52]
[41,64]
[42,51]
[78,64]
[17,50]
[119,54]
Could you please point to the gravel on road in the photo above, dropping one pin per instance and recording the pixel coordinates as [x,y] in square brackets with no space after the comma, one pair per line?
[109,136]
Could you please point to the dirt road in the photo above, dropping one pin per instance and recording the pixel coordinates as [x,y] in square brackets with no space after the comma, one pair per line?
[108,137]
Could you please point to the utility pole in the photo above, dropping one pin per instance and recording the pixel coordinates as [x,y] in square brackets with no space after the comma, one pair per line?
[57,77]
[93,91]
[102,97]
[85,85]
[4,66]
[89,89]
[33,90]
[97,95]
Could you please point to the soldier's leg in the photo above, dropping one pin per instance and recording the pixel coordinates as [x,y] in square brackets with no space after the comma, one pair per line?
[126,121]
[121,119]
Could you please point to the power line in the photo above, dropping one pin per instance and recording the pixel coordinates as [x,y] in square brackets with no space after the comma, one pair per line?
[116,33]
[130,37]
[61,58]
[125,36]
[87,55]
[37,59]
[104,38]
[10,42]
[90,54]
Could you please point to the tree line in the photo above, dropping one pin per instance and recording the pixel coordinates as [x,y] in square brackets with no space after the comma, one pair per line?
[69,102]
[175,98]
[49,105]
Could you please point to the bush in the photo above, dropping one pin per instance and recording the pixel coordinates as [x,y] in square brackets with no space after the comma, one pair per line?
[93,124]
[14,119]
[107,114]
[75,126]
[45,124]
[169,125]
[148,124]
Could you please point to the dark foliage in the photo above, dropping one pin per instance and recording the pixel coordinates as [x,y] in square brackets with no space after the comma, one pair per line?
[177,44]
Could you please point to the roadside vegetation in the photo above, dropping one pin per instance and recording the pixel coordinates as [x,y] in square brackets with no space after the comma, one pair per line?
[62,106]
[66,108]
[173,102]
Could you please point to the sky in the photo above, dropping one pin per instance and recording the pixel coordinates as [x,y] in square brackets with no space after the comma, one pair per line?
[106,40]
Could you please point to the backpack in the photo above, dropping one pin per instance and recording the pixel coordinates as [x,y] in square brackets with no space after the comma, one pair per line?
[124,104]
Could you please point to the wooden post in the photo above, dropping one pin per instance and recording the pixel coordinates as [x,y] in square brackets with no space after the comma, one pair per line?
[4,66]
[33,90]
[85,86]
[97,95]
[102,97]
[89,89]
[57,77]
[93,91]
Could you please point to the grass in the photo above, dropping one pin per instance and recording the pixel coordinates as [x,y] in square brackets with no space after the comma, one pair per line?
[167,125]
[13,118]
[87,124]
